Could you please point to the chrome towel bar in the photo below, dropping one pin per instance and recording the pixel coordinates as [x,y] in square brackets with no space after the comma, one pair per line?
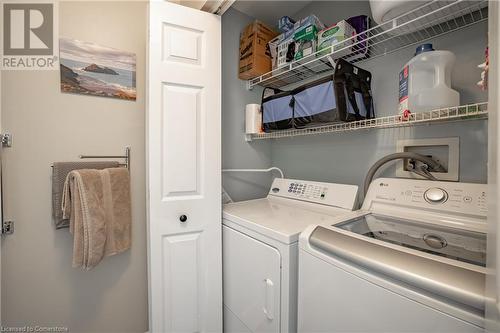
[126,157]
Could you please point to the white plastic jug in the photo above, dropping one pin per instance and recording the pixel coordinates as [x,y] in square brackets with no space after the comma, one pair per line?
[425,81]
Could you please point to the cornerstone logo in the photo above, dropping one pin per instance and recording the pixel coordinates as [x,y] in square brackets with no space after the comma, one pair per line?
[29,36]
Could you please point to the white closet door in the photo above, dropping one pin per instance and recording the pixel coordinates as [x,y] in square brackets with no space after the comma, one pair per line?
[184,165]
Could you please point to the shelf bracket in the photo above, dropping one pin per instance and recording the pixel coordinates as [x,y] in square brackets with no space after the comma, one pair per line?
[249,85]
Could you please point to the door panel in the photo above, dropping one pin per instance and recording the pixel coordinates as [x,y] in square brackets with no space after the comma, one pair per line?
[184,77]
[191,39]
[252,283]
[183,282]
[182,117]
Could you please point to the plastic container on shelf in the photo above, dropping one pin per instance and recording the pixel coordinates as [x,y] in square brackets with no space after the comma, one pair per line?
[387,10]
[425,81]
[388,13]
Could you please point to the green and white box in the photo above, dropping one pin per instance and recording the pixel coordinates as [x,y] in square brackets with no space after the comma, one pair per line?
[334,35]
[305,42]
[305,36]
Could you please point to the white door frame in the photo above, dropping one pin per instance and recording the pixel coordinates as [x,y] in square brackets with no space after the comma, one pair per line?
[493,253]
[1,202]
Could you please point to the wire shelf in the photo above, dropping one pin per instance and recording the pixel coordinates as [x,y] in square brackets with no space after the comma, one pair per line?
[471,111]
[433,19]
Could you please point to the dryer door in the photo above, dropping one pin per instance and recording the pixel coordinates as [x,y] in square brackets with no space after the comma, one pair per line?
[252,275]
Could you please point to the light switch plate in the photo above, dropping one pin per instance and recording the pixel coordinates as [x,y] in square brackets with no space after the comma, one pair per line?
[445,150]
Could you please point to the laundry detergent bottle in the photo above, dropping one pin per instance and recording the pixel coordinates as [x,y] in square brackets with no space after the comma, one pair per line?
[425,81]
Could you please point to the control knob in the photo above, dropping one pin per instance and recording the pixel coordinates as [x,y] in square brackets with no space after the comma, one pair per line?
[435,195]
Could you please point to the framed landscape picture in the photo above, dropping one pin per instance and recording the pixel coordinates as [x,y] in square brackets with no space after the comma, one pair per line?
[92,69]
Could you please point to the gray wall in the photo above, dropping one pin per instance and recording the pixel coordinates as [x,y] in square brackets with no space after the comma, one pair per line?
[39,286]
[346,157]
[236,153]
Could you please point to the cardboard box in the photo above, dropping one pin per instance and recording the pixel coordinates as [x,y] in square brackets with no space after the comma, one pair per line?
[260,27]
[305,23]
[305,42]
[255,58]
[333,35]
[305,36]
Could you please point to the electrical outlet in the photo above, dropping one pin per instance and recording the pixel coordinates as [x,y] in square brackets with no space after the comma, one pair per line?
[442,150]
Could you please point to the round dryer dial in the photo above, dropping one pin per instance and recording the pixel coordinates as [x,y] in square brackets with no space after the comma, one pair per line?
[435,195]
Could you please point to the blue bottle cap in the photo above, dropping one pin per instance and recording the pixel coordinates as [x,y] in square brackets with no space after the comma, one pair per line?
[424,48]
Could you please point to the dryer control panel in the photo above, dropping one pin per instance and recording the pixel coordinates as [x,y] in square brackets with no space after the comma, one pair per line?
[331,194]
[455,197]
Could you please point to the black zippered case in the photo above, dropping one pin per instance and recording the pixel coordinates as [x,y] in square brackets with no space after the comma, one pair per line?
[344,96]
[277,110]
[353,92]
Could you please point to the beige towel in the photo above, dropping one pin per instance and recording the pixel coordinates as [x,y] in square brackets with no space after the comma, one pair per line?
[97,203]
[60,171]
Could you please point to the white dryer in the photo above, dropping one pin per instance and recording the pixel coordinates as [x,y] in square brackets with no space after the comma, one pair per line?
[260,251]
[411,260]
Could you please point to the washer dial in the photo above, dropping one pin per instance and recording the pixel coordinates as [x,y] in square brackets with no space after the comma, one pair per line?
[435,195]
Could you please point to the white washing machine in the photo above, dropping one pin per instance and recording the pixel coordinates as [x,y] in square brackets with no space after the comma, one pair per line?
[260,251]
[411,260]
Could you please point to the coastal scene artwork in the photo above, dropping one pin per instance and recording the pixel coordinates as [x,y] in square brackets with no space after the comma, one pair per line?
[91,69]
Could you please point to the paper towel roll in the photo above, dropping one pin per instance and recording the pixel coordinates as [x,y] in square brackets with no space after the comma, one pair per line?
[253,119]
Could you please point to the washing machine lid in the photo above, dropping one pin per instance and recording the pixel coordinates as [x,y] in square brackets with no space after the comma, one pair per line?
[456,280]
[462,245]
[280,218]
